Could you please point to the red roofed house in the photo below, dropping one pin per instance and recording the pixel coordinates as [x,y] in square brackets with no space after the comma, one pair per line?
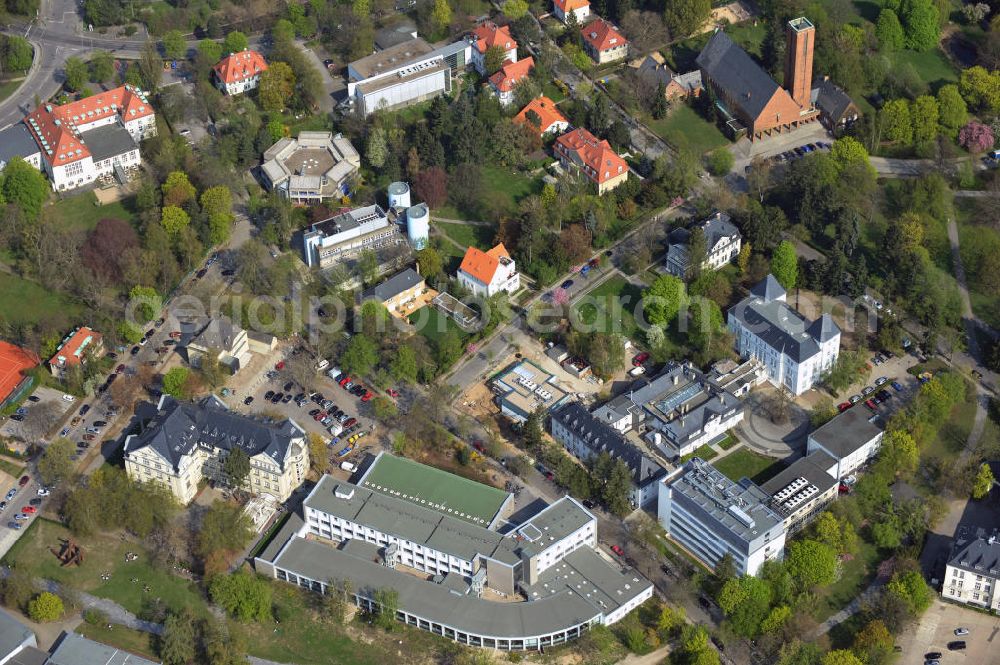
[75,349]
[14,380]
[489,273]
[239,72]
[603,43]
[582,151]
[94,137]
[504,81]
[550,120]
[563,8]
[487,36]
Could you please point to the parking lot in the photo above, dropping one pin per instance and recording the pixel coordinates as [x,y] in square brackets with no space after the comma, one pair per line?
[38,417]
[936,628]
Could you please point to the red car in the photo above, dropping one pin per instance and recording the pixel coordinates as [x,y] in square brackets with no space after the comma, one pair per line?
[119,369]
[344,381]
[176,334]
[393,392]
[640,359]
[843,488]
[367,396]
[618,550]
[24,480]
[871,404]
[320,416]
[350,422]
[280,366]
[478,445]
[29,510]
[843,406]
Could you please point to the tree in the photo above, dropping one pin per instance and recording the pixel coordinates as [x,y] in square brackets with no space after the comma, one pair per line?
[319,460]
[925,115]
[360,356]
[237,467]
[746,602]
[662,301]
[901,453]
[920,24]
[775,619]
[235,42]
[174,46]
[387,600]
[720,161]
[697,253]
[811,563]
[785,265]
[224,528]
[217,200]
[896,122]
[45,607]
[210,50]
[431,185]
[840,657]
[430,262]
[952,112]
[177,643]
[645,30]
[175,381]
[56,464]
[404,365]
[686,16]
[911,588]
[177,190]
[24,186]
[889,31]
[743,260]
[873,644]
[617,491]
[533,436]
[976,137]
[980,89]
[276,86]
[17,53]
[150,65]
[174,220]
[983,482]
[243,595]
[76,73]
[377,150]
[494,59]
[441,16]
[671,619]
[515,9]
[147,303]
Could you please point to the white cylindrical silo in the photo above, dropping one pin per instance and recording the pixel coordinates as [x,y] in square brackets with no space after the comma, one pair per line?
[399,195]
[418,225]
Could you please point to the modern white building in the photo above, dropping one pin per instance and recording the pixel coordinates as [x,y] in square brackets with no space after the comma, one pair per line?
[794,351]
[92,138]
[710,516]
[404,74]
[487,273]
[346,234]
[803,490]
[541,583]
[851,439]
[680,410]
[310,167]
[239,72]
[722,245]
[585,436]
[973,570]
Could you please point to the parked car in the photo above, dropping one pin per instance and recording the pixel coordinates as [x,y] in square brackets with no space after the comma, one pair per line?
[11,493]
[24,481]
[367,396]
[34,398]
[844,406]
[17,417]
[961,631]
[881,381]
[34,502]
[249,400]
[897,386]
[565,285]
[957,645]
[618,550]
[350,422]
[870,403]
[14,525]
[29,510]
[854,399]
[639,359]
[288,386]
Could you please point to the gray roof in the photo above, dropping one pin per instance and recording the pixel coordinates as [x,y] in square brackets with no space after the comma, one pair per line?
[179,427]
[823,329]
[831,100]
[552,524]
[16,141]
[718,227]
[348,220]
[599,437]
[109,141]
[655,68]
[392,287]
[75,649]
[729,67]
[979,554]
[768,289]
[409,521]
[394,35]
[391,58]
[847,432]
[218,333]
[29,656]
[690,81]
[13,634]
[813,467]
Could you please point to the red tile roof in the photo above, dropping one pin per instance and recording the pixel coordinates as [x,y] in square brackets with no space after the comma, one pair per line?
[483,265]
[490,34]
[601,162]
[14,362]
[236,67]
[546,111]
[512,72]
[70,352]
[567,6]
[601,35]
[56,129]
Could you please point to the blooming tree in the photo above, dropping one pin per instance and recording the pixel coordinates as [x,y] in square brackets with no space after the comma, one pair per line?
[976,137]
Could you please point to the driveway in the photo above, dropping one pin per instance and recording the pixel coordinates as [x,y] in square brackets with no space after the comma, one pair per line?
[936,628]
[763,435]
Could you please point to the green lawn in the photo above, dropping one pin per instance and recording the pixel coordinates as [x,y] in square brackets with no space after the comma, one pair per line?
[746,463]
[133,641]
[432,324]
[468,235]
[728,442]
[954,433]
[82,211]
[704,452]
[985,301]
[749,36]
[24,301]
[8,88]
[932,66]
[683,127]
[515,185]
[13,469]
[855,575]
[610,307]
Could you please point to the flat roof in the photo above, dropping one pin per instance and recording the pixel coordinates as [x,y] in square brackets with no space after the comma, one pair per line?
[808,475]
[391,58]
[553,524]
[522,383]
[310,161]
[384,82]
[847,432]
[439,490]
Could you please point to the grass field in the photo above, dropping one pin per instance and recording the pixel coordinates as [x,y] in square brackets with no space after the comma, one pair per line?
[7,88]
[469,235]
[855,575]
[450,494]
[684,128]
[133,641]
[81,212]
[745,462]
[610,307]
[933,67]
[432,324]
[704,452]
[985,301]
[515,185]
[12,469]
[24,301]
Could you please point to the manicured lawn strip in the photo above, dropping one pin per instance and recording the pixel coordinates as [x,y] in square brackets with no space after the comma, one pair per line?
[610,307]
[82,212]
[747,463]
[127,639]
[7,89]
[684,128]
[24,301]
[705,452]
[728,442]
[855,575]
[953,434]
[11,468]
[432,323]
[932,66]
[469,235]
[515,185]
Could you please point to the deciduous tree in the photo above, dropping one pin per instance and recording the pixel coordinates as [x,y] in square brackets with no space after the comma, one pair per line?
[235,42]
[243,595]
[952,111]
[56,464]
[45,607]
[785,265]
[431,185]
[662,301]
[983,482]
[276,87]
[76,73]
[889,31]
[976,137]
[174,46]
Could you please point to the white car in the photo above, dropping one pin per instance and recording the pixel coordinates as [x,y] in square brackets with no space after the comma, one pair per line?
[41,491]
[961,631]
[68,398]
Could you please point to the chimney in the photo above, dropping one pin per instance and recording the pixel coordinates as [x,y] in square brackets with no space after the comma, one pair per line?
[800,37]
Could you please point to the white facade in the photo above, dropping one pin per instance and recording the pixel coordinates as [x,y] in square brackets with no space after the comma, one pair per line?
[506,278]
[850,439]
[973,571]
[562,10]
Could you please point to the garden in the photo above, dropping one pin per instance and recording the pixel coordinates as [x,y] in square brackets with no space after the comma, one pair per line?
[611,307]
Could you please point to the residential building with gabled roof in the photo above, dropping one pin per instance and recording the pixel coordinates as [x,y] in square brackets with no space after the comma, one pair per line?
[505,80]
[490,35]
[722,245]
[603,43]
[794,351]
[550,119]
[74,350]
[184,442]
[94,137]
[836,108]
[487,273]
[239,72]
[581,151]
[973,569]
[215,336]
[580,9]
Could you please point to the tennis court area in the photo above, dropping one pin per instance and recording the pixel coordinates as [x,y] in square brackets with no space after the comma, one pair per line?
[436,489]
